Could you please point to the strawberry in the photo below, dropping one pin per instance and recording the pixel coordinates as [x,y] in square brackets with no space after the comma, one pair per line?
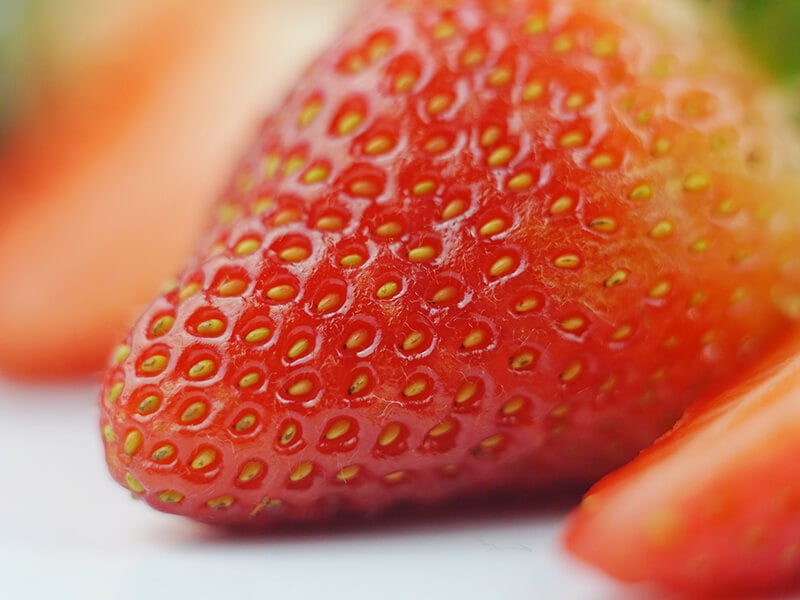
[712,507]
[486,245]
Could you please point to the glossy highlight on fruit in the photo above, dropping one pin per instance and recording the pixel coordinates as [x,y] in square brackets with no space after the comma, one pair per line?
[486,245]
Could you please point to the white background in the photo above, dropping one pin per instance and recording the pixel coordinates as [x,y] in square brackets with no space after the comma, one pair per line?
[68,531]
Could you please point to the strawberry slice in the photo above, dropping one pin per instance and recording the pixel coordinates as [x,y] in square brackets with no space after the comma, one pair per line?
[712,507]
[486,245]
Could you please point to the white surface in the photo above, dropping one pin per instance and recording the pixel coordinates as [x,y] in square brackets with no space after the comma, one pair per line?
[68,531]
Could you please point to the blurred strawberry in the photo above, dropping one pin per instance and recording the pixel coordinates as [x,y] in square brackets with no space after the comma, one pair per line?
[136,113]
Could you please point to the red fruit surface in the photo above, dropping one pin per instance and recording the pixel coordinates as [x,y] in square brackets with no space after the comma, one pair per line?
[500,245]
[712,507]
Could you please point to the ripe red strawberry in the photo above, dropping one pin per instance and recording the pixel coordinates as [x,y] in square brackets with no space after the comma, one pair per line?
[712,507]
[483,245]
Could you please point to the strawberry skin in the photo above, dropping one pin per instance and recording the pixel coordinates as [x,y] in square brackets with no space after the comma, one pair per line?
[712,507]
[483,245]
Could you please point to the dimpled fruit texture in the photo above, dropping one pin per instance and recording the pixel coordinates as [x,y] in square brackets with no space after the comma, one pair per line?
[482,246]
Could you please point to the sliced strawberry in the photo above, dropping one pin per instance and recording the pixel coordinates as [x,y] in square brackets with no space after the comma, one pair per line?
[712,507]
[106,184]
[490,245]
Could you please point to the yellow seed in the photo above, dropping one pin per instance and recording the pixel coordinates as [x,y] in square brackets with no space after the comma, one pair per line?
[189,291]
[262,205]
[293,164]
[665,528]
[444,30]
[170,497]
[441,429]
[389,434]
[502,266]
[500,76]
[436,145]
[294,254]
[562,205]
[380,144]
[281,293]
[466,392]
[492,227]
[738,295]
[249,380]
[573,323]
[247,246]
[415,387]
[604,224]
[358,384]
[203,459]
[360,337]
[571,372]
[330,223]
[567,261]
[162,325]
[149,404]
[133,483]
[394,477]
[220,503]
[288,434]
[453,209]
[602,161]
[300,388]
[662,146]
[490,136]
[194,412]
[660,289]
[492,442]
[523,360]
[270,165]
[560,411]
[604,47]
[575,101]
[520,181]
[337,429]
[500,157]
[423,187]
[387,290]
[121,353]
[308,113]
[439,103]
[299,348]
[288,215]
[133,442]
[259,334]
[472,57]
[622,332]
[474,338]
[114,392]
[661,229]
[108,434]
[526,304]
[609,384]
[533,91]
[245,423]
[249,471]
[316,174]
[699,246]
[572,139]
[404,82]
[232,287]
[348,473]
[642,192]
[210,327]
[696,182]
[352,260]
[390,229]
[618,277]
[422,254]
[348,122]
[202,368]
[413,341]
[698,298]
[329,302]
[301,471]
[154,364]
[513,406]
[536,24]
[445,294]
[726,207]
[563,43]
[365,188]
